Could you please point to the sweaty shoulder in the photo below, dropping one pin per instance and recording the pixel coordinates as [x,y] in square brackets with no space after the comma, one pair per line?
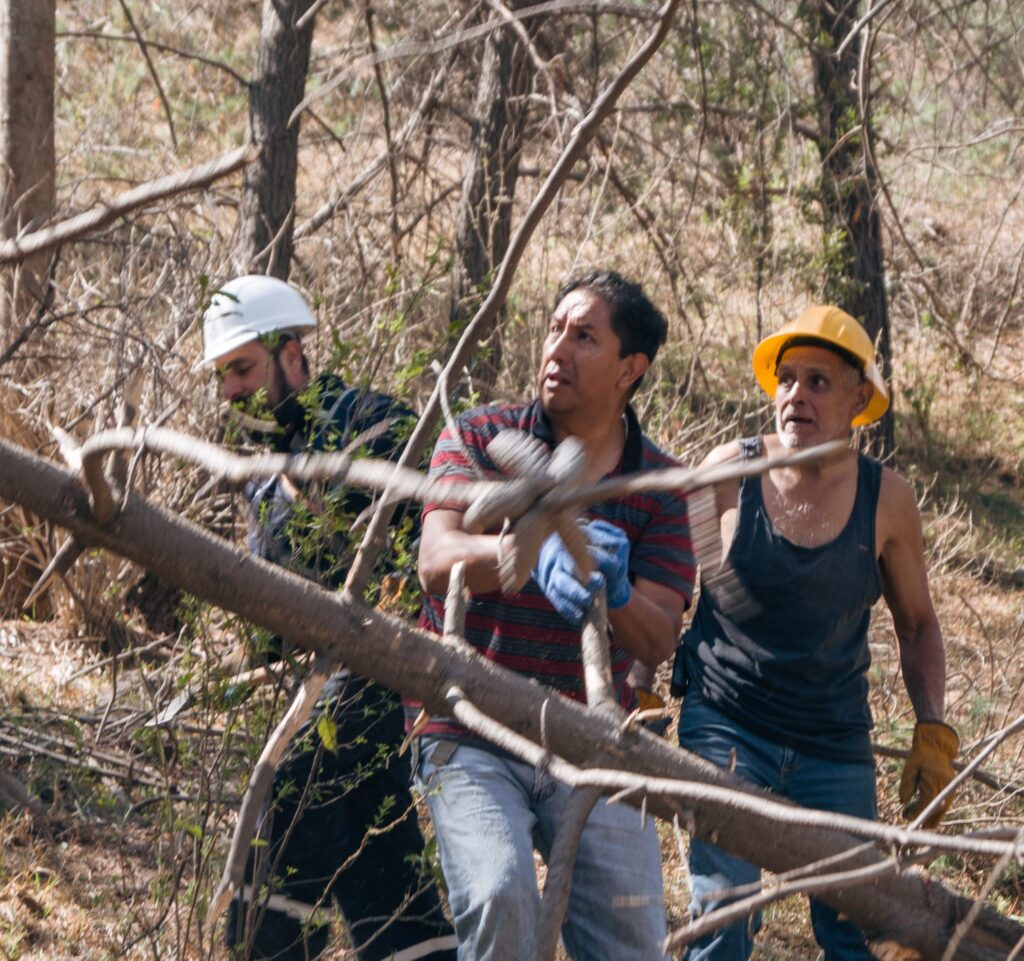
[722,453]
[725,492]
[898,513]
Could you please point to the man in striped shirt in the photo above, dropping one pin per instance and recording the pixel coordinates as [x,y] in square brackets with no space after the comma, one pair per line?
[489,809]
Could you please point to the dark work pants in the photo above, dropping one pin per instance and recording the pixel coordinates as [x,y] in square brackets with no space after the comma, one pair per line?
[342,827]
[841,786]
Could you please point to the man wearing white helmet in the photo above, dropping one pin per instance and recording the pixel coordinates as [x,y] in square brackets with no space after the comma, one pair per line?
[773,670]
[326,799]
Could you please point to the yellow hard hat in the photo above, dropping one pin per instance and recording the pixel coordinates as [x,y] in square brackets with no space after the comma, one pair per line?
[833,327]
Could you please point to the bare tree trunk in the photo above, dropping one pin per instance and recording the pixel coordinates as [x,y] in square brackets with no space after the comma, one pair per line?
[484,219]
[849,186]
[267,212]
[27,162]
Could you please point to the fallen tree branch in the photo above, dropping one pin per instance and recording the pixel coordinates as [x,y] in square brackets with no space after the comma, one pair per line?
[73,756]
[14,251]
[402,483]
[912,909]
[263,775]
[558,886]
[751,802]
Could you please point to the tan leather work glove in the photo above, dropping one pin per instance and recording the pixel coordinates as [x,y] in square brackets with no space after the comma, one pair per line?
[928,770]
[649,701]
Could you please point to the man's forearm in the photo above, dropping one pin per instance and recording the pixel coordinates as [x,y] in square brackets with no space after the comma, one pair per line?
[479,552]
[645,629]
[924,672]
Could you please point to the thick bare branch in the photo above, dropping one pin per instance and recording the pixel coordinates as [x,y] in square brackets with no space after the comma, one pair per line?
[914,910]
[597,664]
[497,499]
[16,250]
[558,886]
[262,778]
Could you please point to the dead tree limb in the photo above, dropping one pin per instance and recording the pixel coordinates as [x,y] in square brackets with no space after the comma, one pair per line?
[18,249]
[910,909]
[624,785]
[597,661]
[407,484]
[489,501]
[558,886]
[600,696]
[262,777]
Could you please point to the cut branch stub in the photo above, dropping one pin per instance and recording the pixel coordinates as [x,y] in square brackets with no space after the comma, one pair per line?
[528,460]
[512,499]
[518,453]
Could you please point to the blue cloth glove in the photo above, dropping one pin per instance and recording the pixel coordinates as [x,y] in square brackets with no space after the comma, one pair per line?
[555,573]
[609,547]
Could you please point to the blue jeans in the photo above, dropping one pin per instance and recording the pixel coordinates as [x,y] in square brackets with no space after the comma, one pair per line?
[489,812]
[813,782]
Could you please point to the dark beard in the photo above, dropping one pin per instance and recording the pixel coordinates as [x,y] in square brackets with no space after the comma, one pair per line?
[289,415]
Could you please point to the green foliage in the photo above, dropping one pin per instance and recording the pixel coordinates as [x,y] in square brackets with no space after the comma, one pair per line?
[328,732]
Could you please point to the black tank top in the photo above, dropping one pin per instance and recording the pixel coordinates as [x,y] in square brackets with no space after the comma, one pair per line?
[789,661]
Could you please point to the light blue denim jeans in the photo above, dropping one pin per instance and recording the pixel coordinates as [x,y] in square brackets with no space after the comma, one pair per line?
[813,782]
[489,812]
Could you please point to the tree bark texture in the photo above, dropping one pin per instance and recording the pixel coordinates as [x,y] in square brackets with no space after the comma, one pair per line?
[484,218]
[27,161]
[266,215]
[909,909]
[855,262]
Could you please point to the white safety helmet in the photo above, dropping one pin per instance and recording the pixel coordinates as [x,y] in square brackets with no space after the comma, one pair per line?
[246,308]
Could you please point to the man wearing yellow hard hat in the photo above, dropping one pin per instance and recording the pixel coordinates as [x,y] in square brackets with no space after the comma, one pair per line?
[773,670]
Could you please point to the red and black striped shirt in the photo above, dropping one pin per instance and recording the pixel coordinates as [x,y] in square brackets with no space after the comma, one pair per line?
[523,631]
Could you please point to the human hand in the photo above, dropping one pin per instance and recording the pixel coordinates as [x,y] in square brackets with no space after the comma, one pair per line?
[555,573]
[928,770]
[609,547]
